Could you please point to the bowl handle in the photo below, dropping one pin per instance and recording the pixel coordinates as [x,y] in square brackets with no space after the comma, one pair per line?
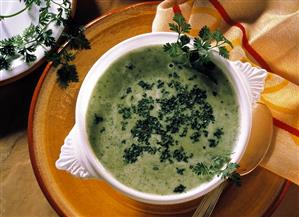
[253,77]
[70,158]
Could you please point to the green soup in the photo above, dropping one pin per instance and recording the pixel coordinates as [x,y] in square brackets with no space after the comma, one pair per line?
[150,121]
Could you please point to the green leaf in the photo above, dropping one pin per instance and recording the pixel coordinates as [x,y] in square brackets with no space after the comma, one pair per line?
[205,33]
[26,53]
[29,33]
[29,3]
[230,173]
[228,42]
[201,44]
[4,64]
[201,169]
[182,25]
[223,52]
[31,48]
[184,39]
[179,19]
[50,41]
[69,56]
[80,42]
[218,36]
[235,178]
[173,49]
[186,27]
[179,189]
[228,170]
[44,16]
[29,57]
[174,27]
[76,36]
[8,49]
[67,74]
[54,57]
[220,160]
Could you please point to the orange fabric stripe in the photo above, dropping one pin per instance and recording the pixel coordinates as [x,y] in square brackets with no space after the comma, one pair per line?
[277,107]
[254,54]
[276,87]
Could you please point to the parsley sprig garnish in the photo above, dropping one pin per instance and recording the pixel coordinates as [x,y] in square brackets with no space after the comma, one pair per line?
[24,45]
[219,165]
[194,52]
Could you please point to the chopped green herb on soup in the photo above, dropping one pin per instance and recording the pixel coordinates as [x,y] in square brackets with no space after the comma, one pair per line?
[160,127]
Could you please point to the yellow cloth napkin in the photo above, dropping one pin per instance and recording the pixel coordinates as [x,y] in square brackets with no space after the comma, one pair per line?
[266,34]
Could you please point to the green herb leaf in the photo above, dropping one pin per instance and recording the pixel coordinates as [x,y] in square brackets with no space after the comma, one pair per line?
[55,58]
[180,171]
[197,55]
[217,36]
[25,45]
[174,27]
[67,74]
[229,173]
[184,39]
[181,25]
[223,52]
[180,20]
[201,169]
[220,166]
[205,33]
[76,36]
[8,50]
[179,189]
[173,49]
[4,63]
[235,178]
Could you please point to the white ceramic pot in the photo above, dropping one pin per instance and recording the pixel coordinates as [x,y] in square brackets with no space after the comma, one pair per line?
[78,158]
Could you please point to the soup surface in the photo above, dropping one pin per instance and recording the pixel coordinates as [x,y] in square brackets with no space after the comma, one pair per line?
[160,127]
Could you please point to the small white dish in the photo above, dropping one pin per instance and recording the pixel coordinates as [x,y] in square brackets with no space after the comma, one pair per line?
[78,158]
[16,25]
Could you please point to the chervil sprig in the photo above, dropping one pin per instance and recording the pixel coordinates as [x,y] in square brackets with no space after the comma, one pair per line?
[219,165]
[230,173]
[76,39]
[180,26]
[194,52]
[24,45]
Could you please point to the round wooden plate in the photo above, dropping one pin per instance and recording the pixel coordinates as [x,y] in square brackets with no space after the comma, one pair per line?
[52,116]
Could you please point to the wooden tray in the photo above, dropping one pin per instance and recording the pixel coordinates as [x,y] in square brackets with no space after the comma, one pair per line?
[52,116]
